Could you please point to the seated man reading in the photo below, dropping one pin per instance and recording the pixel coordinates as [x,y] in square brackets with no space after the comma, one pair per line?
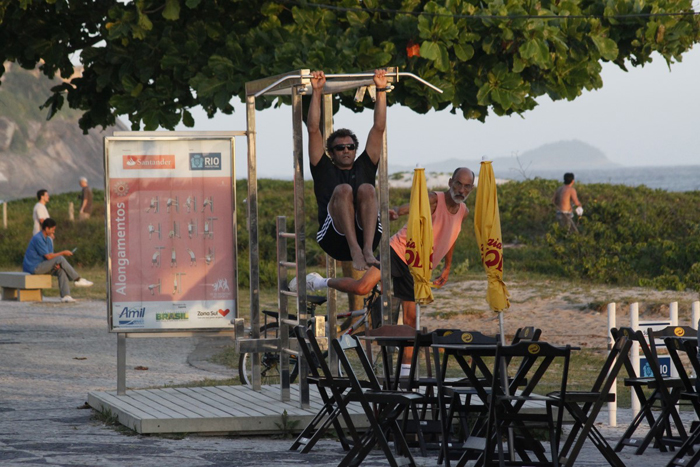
[348,216]
[41,259]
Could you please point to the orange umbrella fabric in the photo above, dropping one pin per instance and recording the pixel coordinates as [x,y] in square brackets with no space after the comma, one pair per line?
[419,239]
[487,227]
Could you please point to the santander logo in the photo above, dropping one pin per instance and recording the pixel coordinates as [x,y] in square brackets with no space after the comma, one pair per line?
[135,162]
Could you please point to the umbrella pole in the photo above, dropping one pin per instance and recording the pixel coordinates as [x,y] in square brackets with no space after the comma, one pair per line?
[417,316]
[506,388]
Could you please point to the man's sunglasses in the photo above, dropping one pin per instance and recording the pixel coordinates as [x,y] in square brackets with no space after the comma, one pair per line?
[340,147]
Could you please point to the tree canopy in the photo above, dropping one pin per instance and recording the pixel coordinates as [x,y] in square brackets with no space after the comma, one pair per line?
[152,60]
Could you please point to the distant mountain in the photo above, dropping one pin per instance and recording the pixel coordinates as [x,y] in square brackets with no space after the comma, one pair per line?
[36,153]
[561,156]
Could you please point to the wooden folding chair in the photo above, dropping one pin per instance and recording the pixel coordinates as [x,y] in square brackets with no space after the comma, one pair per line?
[388,330]
[665,393]
[332,394]
[528,333]
[506,409]
[390,404]
[584,407]
[688,453]
[450,396]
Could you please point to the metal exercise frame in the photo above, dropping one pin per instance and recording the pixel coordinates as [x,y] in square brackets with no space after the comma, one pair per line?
[297,84]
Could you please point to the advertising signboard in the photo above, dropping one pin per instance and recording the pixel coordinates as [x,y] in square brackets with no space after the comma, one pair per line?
[171,238]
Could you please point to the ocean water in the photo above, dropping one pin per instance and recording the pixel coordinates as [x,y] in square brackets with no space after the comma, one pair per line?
[675,178]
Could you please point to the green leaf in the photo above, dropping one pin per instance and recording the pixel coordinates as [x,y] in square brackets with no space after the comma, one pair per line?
[443,61]
[483,97]
[172,10]
[606,46]
[192,4]
[464,52]
[137,90]
[187,118]
[429,50]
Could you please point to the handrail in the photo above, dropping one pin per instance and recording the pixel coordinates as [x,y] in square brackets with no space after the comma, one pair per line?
[348,75]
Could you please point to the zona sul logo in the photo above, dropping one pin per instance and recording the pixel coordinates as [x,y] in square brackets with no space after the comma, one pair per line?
[205,161]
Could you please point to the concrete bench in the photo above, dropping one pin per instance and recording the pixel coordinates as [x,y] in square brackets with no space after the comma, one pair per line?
[23,286]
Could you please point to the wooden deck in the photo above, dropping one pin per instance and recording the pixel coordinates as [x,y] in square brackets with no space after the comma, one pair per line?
[235,410]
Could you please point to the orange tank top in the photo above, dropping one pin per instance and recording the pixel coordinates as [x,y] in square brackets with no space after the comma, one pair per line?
[446,228]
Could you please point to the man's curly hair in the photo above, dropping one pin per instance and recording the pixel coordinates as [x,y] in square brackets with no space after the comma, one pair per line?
[342,133]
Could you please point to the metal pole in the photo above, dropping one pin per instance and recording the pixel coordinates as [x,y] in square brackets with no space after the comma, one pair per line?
[332,303]
[253,247]
[612,406]
[695,314]
[121,364]
[234,229]
[348,75]
[384,247]
[300,232]
[506,387]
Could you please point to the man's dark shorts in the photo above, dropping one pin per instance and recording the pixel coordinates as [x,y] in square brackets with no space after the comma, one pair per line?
[336,245]
[401,278]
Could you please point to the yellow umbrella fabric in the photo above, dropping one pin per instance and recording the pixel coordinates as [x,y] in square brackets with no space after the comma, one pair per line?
[419,239]
[487,226]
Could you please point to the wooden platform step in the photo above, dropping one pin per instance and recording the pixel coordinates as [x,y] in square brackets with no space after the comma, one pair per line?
[233,410]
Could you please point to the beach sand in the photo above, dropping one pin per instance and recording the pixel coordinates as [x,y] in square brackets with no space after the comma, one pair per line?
[565,312]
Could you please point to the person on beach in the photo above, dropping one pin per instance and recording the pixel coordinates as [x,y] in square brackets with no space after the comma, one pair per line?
[563,199]
[448,212]
[85,198]
[40,213]
[348,216]
[41,259]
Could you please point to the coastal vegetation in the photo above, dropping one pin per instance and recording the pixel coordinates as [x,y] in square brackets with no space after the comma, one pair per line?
[629,236]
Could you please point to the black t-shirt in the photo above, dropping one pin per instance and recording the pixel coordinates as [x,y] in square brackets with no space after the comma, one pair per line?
[327,176]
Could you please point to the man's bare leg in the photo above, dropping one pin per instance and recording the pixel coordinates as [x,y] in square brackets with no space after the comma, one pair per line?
[342,210]
[366,207]
[361,286]
[409,319]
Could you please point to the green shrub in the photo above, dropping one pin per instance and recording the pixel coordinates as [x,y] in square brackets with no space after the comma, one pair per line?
[628,236]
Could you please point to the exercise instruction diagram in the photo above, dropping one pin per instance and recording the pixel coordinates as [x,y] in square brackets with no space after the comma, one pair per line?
[171,235]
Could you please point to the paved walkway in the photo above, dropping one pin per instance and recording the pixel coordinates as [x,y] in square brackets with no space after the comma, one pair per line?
[52,354]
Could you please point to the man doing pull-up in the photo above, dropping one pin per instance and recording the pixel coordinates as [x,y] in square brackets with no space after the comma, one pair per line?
[348,216]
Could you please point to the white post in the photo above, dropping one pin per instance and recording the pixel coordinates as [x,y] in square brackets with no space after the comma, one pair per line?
[71,215]
[612,406]
[673,313]
[695,315]
[634,324]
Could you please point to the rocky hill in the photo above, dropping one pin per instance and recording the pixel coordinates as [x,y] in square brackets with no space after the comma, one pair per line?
[36,153]
[560,156]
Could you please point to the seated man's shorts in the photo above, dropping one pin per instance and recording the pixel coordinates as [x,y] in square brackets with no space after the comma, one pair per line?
[401,278]
[335,244]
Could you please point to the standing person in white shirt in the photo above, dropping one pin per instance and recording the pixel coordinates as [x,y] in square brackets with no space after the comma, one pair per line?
[40,211]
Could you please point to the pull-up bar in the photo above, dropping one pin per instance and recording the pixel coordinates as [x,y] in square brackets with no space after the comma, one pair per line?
[397,74]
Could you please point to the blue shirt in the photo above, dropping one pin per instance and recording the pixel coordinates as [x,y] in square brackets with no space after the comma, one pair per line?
[39,247]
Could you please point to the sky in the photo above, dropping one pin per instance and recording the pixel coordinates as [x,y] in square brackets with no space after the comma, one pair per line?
[645,117]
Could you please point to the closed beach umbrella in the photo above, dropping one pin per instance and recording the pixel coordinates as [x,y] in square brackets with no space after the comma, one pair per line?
[419,241]
[487,227]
